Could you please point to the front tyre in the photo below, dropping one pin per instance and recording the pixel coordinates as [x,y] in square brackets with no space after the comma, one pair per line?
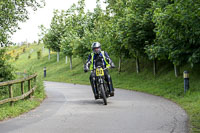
[103,94]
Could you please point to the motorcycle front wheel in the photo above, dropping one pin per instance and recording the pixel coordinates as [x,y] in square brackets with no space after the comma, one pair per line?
[103,94]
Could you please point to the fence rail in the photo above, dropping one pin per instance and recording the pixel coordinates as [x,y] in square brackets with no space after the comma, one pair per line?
[30,92]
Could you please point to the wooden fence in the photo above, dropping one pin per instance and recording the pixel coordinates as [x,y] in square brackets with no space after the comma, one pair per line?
[30,92]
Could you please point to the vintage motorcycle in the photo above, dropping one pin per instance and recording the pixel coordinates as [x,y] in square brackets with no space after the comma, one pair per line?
[102,87]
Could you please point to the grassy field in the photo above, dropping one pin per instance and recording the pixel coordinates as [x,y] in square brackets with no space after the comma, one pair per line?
[164,84]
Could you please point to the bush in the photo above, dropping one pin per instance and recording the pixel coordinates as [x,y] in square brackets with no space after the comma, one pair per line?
[6,70]
[39,54]
[29,56]
[17,57]
[24,50]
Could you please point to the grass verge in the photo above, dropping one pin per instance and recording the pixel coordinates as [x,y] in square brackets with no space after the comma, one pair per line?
[21,106]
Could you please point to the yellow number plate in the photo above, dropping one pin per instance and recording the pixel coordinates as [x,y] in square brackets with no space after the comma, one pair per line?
[99,72]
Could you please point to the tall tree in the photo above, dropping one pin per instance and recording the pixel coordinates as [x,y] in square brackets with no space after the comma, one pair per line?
[177,30]
[56,31]
[140,27]
[69,36]
[43,35]
[116,29]
[134,26]
[81,23]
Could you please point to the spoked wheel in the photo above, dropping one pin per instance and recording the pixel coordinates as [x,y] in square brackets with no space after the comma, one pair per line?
[103,94]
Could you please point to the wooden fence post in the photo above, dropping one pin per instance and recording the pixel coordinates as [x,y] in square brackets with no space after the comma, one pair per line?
[22,87]
[29,94]
[11,94]
[34,84]
[29,88]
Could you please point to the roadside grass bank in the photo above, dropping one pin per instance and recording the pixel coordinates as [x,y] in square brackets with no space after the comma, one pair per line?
[21,106]
[164,84]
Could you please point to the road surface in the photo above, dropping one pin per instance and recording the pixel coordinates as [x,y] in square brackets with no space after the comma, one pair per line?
[71,108]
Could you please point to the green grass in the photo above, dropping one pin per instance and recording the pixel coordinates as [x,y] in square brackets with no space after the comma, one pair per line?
[164,84]
[21,106]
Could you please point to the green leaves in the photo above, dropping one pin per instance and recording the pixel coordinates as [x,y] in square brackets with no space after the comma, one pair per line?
[11,13]
[177,29]
[6,70]
[159,29]
[155,52]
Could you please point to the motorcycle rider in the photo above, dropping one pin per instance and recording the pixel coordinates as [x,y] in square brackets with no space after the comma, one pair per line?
[97,53]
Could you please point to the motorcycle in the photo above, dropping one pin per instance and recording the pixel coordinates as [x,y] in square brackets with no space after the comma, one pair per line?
[102,87]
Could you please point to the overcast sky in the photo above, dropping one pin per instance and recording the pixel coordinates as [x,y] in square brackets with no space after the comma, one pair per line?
[29,30]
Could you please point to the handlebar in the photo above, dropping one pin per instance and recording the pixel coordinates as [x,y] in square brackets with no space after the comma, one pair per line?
[103,69]
[106,68]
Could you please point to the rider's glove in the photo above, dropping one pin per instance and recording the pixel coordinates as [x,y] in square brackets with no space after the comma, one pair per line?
[108,60]
[86,68]
[112,65]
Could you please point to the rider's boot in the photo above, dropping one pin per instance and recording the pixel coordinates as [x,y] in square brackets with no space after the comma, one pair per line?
[94,89]
[110,85]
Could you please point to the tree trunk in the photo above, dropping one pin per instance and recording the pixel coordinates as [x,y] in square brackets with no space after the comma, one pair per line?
[137,65]
[177,70]
[66,60]
[49,54]
[71,62]
[120,61]
[154,67]
[58,56]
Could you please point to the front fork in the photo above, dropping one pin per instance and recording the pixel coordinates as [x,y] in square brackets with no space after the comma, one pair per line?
[101,81]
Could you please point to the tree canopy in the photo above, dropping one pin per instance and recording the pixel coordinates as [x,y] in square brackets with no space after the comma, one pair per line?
[157,30]
[11,13]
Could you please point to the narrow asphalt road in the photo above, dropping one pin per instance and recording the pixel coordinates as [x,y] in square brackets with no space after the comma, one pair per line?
[71,108]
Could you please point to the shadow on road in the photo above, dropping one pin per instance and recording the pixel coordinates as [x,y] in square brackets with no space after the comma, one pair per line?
[87,102]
